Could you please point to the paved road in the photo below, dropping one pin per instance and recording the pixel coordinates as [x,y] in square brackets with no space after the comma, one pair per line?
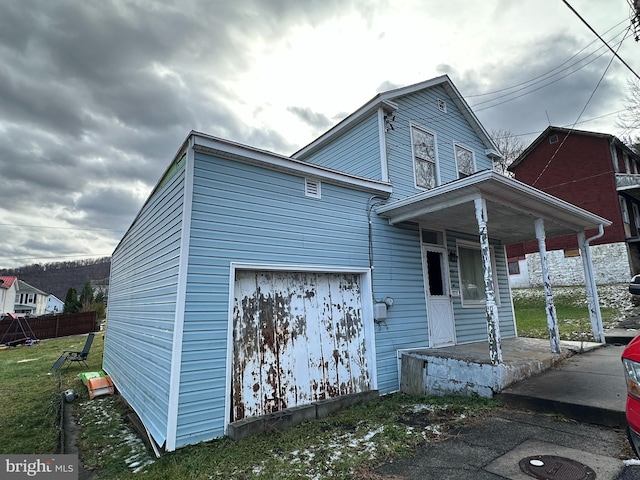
[492,448]
[574,411]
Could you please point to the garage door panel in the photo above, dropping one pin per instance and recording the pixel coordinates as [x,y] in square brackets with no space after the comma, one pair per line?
[298,337]
[315,336]
[299,389]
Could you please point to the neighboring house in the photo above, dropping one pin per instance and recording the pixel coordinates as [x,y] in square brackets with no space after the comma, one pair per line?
[594,171]
[30,300]
[54,304]
[251,282]
[8,289]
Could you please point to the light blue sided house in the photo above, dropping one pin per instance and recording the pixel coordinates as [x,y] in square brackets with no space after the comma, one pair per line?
[252,282]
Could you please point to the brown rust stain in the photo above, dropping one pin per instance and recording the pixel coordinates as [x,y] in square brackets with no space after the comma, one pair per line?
[266,330]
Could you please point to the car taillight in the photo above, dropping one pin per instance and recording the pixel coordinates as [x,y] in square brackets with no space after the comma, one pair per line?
[632,372]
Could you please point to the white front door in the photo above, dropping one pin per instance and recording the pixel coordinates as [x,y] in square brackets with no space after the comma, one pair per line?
[440,310]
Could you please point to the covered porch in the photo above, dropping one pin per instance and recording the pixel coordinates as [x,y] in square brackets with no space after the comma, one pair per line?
[467,369]
[491,208]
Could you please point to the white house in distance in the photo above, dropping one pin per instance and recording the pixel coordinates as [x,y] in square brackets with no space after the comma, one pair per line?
[17,296]
[54,304]
[251,282]
[30,300]
[8,289]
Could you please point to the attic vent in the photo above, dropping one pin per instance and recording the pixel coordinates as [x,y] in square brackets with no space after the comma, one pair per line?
[553,139]
[442,106]
[312,188]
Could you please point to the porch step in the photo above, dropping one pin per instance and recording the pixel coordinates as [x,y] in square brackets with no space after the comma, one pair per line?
[588,387]
[620,336]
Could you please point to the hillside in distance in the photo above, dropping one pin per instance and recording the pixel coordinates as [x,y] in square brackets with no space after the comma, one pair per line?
[58,277]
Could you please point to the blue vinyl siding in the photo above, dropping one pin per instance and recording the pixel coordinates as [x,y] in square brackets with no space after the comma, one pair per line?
[421,109]
[471,324]
[243,213]
[356,152]
[141,308]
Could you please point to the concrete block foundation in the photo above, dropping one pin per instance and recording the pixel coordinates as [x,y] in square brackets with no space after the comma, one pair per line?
[290,417]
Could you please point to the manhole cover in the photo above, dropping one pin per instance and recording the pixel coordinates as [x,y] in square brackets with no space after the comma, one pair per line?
[551,467]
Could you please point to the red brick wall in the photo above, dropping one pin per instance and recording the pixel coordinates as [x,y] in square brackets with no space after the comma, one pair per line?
[581,173]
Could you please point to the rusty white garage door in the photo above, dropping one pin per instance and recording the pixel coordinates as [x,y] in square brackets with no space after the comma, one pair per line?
[298,337]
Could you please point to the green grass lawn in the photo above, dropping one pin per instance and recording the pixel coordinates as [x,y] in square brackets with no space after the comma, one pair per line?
[571,310]
[345,445]
[30,393]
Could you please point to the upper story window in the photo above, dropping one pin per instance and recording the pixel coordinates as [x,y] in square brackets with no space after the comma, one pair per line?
[627,165]
[464,161]
[424,158]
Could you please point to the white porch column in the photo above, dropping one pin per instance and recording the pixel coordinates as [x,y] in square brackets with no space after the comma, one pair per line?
[552,317]
[592,292]
[493,323]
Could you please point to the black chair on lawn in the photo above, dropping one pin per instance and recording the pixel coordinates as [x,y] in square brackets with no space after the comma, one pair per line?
[71,356]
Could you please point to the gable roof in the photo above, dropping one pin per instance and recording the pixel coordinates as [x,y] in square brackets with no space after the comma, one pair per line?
[565,131]
[386,101]
[25,287]
[7,281]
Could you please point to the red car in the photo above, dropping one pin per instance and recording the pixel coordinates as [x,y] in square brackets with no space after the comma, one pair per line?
[631,362]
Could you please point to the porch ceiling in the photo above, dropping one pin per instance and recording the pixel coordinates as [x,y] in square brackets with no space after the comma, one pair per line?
[512,207]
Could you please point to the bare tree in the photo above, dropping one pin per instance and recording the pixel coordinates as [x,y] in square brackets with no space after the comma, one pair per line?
[510,147]
[630,118]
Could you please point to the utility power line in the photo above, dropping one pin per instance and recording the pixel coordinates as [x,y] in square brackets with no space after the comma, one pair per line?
[601,39]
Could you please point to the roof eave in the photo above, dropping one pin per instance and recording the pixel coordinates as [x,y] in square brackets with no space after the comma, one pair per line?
[245,154]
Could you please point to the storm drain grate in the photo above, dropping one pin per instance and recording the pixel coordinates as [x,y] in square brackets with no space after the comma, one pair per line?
[551,467]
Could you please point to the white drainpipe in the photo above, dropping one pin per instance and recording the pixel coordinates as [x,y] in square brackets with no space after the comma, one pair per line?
[590,283]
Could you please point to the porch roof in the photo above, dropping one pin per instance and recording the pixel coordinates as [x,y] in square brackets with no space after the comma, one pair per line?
[512,207]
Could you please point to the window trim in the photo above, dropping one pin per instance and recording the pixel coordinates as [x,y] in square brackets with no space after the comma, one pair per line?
[636,216]
[496,288]
[457,145]
[415,126]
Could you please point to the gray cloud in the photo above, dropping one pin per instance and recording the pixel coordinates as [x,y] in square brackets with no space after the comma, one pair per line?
[318,121]
[96,98]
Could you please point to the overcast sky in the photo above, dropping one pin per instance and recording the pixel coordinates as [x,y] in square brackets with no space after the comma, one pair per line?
[96,96]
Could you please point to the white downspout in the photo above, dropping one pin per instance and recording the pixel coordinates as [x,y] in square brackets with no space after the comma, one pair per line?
[590,283]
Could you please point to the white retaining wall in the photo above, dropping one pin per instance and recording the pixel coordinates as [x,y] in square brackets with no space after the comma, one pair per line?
[610,262]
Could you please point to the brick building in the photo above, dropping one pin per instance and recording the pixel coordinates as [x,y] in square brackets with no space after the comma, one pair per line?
[594,171]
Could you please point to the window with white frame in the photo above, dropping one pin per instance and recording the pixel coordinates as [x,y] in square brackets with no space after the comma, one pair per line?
[471,273]
[464,161]
[424,158]
[624,209]
[626,221]
[636,216]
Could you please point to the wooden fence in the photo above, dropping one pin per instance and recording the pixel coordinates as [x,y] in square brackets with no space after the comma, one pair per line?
[48,326]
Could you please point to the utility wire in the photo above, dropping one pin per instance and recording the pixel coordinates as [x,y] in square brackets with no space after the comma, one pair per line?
[580,114]
[536,89]
[601,39]
[62,228]
[548,72]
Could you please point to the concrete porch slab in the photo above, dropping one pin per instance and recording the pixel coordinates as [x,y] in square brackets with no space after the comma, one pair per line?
[467,369]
